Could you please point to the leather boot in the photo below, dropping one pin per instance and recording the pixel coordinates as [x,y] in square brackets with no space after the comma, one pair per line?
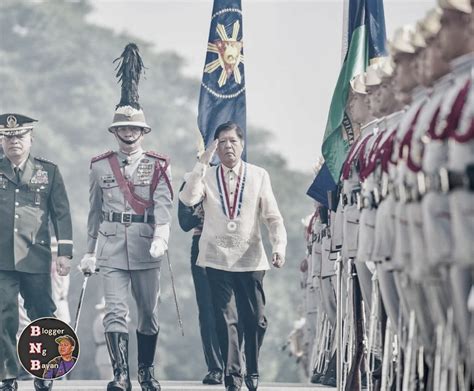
[330,377]
[43,385]
[117,344]
[251,381]
[146,355]
[9,385]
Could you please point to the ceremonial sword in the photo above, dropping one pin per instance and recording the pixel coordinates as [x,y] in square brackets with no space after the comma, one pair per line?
[180,322]
[81,299]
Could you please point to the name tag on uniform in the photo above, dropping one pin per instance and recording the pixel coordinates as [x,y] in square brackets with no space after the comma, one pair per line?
[40,177]
[107,179]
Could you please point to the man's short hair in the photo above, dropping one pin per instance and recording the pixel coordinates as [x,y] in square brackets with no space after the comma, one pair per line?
[226,126]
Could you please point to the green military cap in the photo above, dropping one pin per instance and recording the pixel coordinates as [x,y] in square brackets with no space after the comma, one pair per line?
[67,338]
[15,124]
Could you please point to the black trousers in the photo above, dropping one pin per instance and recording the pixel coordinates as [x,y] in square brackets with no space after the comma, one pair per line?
[36,292]
[207,322]
[239,302]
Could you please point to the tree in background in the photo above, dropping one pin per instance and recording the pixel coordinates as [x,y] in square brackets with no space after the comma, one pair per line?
[57,67]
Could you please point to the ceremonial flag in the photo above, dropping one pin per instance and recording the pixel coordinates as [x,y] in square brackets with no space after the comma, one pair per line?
[366,40]
[321,185]
[222,96]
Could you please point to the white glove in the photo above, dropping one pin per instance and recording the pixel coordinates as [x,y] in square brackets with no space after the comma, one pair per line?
[87,264]
[158,247]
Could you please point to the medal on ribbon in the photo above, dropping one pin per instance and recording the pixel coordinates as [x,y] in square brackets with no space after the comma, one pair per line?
[231,205]
[40,177]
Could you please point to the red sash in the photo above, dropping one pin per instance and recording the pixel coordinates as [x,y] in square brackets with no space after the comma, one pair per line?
[138,204]
[367,166]
[455,115]
[386,151]
[355,149]
[406,144]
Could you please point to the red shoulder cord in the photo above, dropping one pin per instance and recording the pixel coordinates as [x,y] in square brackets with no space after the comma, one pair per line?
[406,144]
[455,115]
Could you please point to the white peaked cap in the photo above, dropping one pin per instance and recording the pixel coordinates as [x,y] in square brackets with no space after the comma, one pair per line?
[358,84]
[402,40]
[373,76]
[387,67]
[458,5]
[431,24]
[418,39]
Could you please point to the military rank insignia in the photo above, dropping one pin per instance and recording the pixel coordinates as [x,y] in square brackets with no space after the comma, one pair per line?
[107,179]
[3,182]
[48,348]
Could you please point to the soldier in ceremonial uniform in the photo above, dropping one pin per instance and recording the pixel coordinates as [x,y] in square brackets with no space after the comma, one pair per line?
[128,228]
[32,193]
[456,122]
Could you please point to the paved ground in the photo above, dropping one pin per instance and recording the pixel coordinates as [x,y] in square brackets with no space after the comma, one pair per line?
[101,385]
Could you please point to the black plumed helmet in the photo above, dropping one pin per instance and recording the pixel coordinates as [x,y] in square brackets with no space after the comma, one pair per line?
[129,69]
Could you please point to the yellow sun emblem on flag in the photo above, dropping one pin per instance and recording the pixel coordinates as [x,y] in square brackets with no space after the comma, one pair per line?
[229,52]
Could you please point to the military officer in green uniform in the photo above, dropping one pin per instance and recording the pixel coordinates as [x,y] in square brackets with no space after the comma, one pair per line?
[128,228]
[32,193]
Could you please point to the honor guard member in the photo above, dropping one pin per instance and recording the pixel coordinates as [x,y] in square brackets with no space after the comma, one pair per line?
[311,294]
[236,197]
[32,194]
[130,198]
[457,46]
[389,108]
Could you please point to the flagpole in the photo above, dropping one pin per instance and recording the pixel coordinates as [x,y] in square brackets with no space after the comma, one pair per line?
[345,29]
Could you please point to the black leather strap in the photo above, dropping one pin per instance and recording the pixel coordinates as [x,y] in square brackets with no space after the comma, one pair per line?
[127,218]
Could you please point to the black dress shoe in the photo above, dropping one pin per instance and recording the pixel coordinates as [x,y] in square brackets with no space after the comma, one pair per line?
[316,378]
[251,381]
[9,385]
[43,385]
[213,377]
[232,388]
[329,381]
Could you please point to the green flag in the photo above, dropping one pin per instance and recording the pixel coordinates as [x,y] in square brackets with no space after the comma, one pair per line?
[366,39]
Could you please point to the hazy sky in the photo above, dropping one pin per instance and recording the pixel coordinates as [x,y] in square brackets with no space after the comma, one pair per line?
[292,55]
